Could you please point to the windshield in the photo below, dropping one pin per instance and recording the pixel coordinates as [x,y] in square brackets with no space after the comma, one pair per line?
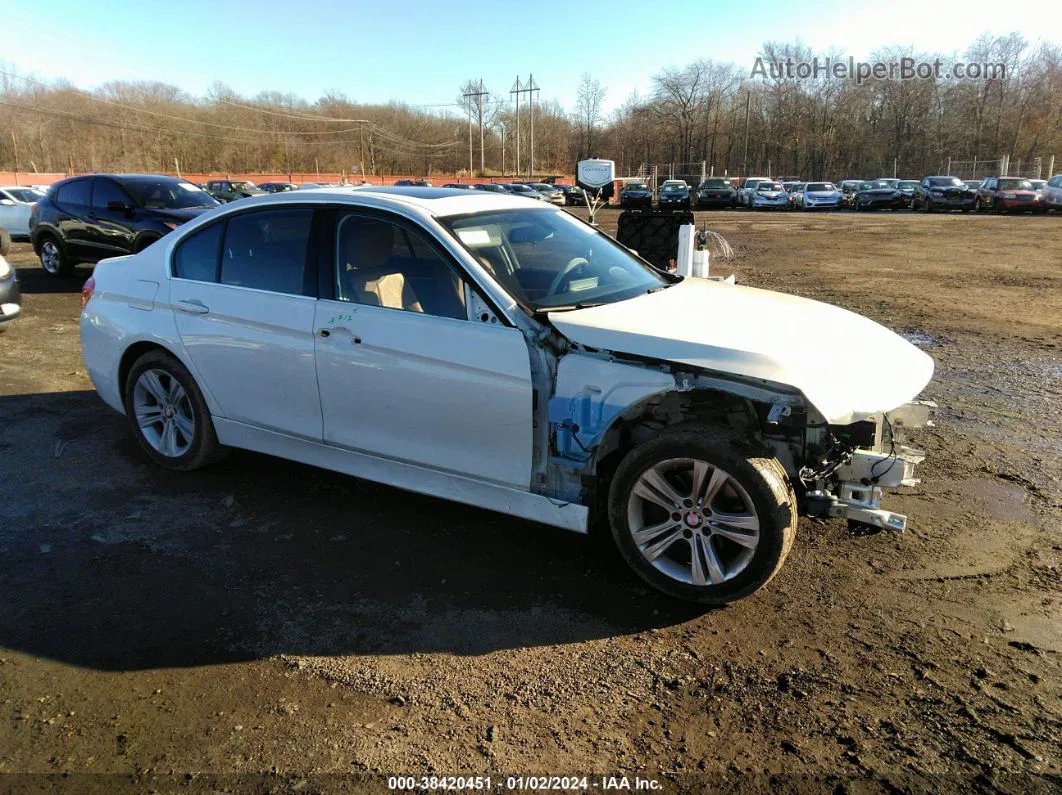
[548,259]
[768,186]
[790,187]
[1015,184]
[946,182]
[716,183]
[169,195]
[245,186]
[673,187]
[25,195]
[820,187]
[636,186]
[907,184]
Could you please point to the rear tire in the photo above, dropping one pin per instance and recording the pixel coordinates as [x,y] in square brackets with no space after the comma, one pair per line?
[169,415]
[728,542]
[54,258]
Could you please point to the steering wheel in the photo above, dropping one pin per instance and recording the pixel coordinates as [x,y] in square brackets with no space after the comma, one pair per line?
[573,263]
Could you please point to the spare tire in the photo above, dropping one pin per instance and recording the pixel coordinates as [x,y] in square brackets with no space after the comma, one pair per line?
[5,242]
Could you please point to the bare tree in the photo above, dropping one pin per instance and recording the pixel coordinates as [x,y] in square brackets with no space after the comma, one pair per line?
[588,101]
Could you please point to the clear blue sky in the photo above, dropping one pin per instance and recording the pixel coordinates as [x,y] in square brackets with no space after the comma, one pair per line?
[421,51]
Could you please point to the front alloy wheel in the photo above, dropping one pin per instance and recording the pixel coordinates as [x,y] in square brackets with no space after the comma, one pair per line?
[53,260]
[701,515]
[693,522]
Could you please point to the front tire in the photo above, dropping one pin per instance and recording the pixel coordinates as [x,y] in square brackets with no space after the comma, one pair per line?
[168,414]
[702,515]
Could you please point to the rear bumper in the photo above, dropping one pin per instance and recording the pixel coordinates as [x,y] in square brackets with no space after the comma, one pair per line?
[10,300]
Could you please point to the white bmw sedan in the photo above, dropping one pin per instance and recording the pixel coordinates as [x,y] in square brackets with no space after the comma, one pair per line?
[500,352]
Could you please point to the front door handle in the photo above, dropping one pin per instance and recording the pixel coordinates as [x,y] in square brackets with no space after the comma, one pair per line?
[192,306]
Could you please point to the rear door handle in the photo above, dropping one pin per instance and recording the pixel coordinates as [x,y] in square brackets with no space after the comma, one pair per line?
[192,306]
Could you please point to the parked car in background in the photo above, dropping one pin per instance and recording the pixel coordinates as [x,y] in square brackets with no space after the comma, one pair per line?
[10,297]
[459,185]
[715,192]
[230,190]
[519,360]
[972,184]
[943,193]
[907,188]
[573,195]
[1038,185]
[550,193]
[635,194]
[1053,193]
[413,183]
[527,192]
[818,196]
[792,189]
[307,186]
[674,195]
[16,206]
[891,182]
[747,188]
[770,196]
[492,187]
[277,187]
[86,219]
[848,192]
[1008,195]
[878,195]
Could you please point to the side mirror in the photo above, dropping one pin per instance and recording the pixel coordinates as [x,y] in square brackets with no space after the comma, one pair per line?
[118,207]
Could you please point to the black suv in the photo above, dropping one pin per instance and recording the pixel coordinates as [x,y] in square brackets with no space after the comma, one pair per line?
[86,219]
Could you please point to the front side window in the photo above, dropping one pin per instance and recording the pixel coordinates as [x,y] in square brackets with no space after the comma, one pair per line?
[547,259]
[166,194]
[380,263]
[104,192]
[267,250]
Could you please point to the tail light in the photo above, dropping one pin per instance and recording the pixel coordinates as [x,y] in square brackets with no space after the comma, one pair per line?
[86,290]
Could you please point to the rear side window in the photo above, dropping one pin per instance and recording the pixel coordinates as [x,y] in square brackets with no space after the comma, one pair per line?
[267,250]
[197,255]
[76,192]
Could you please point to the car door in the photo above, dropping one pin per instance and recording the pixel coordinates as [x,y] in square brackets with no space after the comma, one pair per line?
[243,293]
[14,215]
[72,201]
[108,229]
[404,373]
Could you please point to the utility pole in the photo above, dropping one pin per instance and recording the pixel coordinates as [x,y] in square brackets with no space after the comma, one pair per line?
[517,89]
[532,87]
[14,143]
[479,100]
[745,159]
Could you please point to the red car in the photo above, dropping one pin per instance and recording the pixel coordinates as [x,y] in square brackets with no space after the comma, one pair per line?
[1008,194]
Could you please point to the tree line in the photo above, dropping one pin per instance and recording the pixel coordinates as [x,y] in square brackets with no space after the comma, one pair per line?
[719,114]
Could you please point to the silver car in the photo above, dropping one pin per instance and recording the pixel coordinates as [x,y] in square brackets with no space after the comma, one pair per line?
[16,205]
[818,196]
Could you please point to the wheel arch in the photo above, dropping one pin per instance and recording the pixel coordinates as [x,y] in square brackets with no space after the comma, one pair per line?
[704,407]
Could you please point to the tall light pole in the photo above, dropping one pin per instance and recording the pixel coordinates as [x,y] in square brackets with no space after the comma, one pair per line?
[517,90]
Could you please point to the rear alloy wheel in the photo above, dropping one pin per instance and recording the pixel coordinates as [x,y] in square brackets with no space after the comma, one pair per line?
[701,516]
[53,258]
[168,414]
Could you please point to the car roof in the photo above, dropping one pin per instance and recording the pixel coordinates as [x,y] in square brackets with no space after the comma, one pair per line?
[439,202]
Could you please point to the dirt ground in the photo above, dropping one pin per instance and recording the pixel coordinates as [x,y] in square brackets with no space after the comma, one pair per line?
[266,626]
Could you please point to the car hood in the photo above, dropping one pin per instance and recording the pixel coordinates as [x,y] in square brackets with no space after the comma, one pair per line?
[847,366]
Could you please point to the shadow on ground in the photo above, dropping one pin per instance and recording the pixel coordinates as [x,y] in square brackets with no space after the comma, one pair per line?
[109,562]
